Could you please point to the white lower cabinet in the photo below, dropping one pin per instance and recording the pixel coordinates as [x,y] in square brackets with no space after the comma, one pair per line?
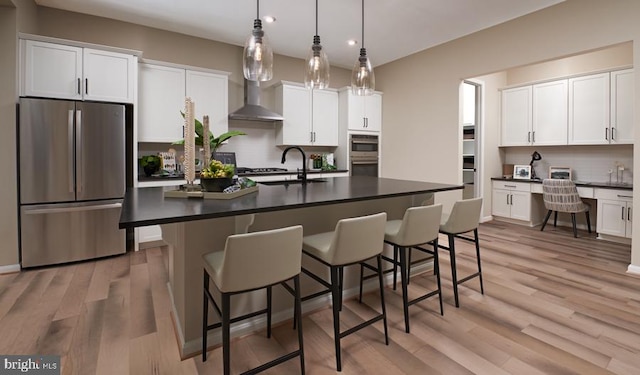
[615,212]
[511,200]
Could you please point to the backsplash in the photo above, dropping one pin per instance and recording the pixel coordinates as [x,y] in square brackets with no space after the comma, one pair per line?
[588,163]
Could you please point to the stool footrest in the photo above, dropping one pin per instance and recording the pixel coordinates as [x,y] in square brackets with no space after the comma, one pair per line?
[422,298]
[238,318]
[468,278]
[273,363]
[361,326]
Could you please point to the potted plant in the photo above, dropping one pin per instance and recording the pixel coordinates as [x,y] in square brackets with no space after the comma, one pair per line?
[217,176]
[214,142]
[150,164]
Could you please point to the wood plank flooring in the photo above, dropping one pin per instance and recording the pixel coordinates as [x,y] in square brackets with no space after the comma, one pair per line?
[553,304]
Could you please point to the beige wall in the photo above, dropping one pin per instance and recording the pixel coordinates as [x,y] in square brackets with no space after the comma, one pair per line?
[420,108]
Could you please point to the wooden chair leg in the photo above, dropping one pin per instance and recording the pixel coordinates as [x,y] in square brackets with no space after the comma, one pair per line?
[555,218]
[588,221]
[573,222]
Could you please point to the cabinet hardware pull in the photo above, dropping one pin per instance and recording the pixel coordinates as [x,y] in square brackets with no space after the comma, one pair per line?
[79,149]
[606,133]
[613,133]
[629,213]
[79,92]
[510,186]
[622,215]
[86,86]
[70,140]
[528,136]
[533,137]
[625,196]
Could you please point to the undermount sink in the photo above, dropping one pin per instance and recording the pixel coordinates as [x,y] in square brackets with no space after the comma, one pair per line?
[292,182]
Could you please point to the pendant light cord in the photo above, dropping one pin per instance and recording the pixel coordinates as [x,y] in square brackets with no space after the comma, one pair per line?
[258,9]
[362,23]
[316,17]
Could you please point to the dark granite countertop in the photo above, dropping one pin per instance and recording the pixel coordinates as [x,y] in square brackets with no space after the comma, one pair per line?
[605,185]
[148,206]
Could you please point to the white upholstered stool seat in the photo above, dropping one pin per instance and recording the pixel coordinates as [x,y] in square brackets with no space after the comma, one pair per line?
[354,240]
[249,262]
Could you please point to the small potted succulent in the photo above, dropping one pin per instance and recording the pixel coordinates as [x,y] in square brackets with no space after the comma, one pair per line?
[217,176]
[150,164]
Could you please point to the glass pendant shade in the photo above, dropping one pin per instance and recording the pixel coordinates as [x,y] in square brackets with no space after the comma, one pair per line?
[257,58]
[363,80]
[316,71]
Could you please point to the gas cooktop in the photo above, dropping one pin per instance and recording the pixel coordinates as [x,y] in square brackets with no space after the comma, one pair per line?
[259,170]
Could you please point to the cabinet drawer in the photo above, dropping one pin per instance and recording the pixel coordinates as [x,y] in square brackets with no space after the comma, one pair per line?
[516,186]
[624,195]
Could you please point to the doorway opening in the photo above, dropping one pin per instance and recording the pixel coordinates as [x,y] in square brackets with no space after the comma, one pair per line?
[471,124]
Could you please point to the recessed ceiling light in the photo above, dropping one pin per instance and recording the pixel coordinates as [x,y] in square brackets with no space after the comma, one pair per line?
[352,42]
[269,19]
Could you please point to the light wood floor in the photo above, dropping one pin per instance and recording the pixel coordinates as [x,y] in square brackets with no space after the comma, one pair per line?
[553,304]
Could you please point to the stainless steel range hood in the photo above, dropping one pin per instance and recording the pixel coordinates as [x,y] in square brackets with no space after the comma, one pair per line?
[252,110]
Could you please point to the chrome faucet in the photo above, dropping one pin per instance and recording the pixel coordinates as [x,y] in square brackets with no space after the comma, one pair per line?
[302,176]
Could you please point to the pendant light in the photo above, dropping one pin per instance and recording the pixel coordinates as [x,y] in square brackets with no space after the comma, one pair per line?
[257,59]
[316,70]
[363,81]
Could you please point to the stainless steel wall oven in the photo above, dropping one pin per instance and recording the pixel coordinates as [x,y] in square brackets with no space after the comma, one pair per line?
[363,155]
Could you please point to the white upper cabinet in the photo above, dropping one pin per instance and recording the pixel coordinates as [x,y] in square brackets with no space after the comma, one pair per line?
[516,116]
[162,93]
[67,72]
[210,93]
[549,120]
[363,112]
[589,110]
[310,116]
[622,106]
[160,101]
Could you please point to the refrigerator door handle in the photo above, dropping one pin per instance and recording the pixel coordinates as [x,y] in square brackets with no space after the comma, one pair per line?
[70,142]
[79,150]
[56,210]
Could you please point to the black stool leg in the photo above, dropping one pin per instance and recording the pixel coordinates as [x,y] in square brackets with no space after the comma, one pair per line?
[341,275]
[361,276]
[573,222]
[395,266]
[298,316]
[588,221]
[555,218]
[226,333]
[545,220]
[382,304]
[403,279]
[205,314]
[477,240]
[454,276]
[409,266]
[335,296]
[436,271]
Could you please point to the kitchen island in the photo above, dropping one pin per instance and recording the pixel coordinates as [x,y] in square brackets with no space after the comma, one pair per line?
[193,227]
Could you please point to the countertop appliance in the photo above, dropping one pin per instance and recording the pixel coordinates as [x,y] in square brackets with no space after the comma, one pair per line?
[72,180]
[363,155]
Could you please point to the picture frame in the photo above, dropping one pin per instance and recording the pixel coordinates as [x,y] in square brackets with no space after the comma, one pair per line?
[521,172]
[563,173]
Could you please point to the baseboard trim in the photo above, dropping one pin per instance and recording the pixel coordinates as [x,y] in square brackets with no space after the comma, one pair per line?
[11,268]
[250,326]
[634,270]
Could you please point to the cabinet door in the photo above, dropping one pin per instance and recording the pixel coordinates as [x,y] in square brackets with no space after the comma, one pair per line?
[325,118]
[516,117]
[622,106]
[294,102]
[108,76]
[373,112]
[520,205]
[612,216]
[501,203]
[549,122]
[160,101]
[52,70]
[589,109]
[209,92]
[356,111]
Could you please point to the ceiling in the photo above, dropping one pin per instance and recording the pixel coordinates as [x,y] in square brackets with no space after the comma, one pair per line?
[393,28]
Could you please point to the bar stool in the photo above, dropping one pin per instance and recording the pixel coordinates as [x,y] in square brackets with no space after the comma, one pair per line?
[464,217]
[418,227]
[249,262]
[354,240]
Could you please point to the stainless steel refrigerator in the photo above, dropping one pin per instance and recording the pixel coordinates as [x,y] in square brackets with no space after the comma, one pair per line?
[72,180]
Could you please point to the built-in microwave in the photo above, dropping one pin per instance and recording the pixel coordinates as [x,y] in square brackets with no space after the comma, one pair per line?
[363,155]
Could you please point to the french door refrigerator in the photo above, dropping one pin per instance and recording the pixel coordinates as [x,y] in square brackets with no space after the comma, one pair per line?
[72,180]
